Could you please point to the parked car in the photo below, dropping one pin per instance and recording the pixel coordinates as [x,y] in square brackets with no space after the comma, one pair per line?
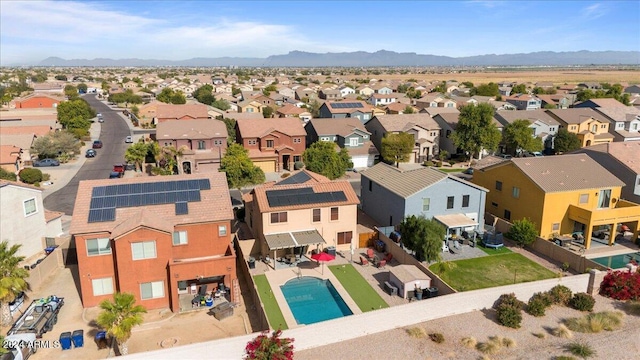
[100,120]
[90,153]
[46,162]
[504,156]
[128,140]
[99,115]
[468,171]
[97,144]
[120,168]
[115,175]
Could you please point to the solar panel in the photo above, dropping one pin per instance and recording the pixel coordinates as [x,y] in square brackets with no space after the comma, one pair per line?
[182,208]
[110,190]
[109,214]
[96,203]
[299,178]
[292,197]
[205,184]
[98,191]
[95,216]
[122,201]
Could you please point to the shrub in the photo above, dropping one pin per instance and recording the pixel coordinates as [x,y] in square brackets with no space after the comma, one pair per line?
[581,349]
[491,347]
[582,302]
[562,332]
[536,307]
[540,335]
[30,175]
[285,175]
[522,232]
[509,311]
[621,285]
[510,300]
[596,322]
[565,358]
[7,175]
[508,343]
[437,338]
[428,163]
[298,165]
[469,342]
[46,176]
[560,294]
[416,332]
[265,347]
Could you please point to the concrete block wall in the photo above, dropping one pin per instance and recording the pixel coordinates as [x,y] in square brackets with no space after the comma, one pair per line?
[50,264]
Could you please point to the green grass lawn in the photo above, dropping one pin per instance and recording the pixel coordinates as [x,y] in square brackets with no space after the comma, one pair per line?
[498,251]
[451,170]
[358,288]
[490,271]
[271,308]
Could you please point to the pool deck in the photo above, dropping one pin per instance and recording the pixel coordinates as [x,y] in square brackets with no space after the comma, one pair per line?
[278,278]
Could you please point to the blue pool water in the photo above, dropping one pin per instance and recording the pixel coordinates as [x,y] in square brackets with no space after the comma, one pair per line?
[618,261]
[313,300]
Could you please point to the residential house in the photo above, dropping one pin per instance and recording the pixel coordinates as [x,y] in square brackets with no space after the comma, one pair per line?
[542,125]
[448,122]
[37,101]
[250,106]
[624,121]
[383,89]
[589,125]
[381,99]
[290,110]
[22,141]
[148,112]
[287,92]
[505,90]
[422,191]
[599,102]
[330,94]
[348,133]
[559,194]
[166,112]
[633,90]
[11,158]
[525,101]
[303,212]
[25,221]
[345,90]
[424,129]
[201,143]
[365,91]
[161,239]
[306,93]
[590,85]
[273,144]
[622,160]
[347,109]
[429,101]
[398,108]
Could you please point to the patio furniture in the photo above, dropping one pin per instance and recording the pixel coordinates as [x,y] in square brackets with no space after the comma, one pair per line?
[390,289]
[388,257]
[370,253]
[382,263]
[363,261]
[222,311]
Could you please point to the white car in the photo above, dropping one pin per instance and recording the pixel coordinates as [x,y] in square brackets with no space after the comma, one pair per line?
[128,140]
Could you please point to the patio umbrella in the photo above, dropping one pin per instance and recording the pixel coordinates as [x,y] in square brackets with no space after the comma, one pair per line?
[322,257]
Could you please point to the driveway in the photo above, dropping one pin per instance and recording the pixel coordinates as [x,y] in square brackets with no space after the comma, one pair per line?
[113,132]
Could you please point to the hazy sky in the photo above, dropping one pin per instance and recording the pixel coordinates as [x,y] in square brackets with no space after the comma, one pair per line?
[31,31]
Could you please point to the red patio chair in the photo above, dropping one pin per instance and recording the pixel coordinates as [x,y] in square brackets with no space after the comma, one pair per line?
[363,261]
[382,263]
[388,257]
[370,253]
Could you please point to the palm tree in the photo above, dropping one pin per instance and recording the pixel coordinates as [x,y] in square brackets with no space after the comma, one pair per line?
[12,278]
[119,317]
[171,155]
[137,153]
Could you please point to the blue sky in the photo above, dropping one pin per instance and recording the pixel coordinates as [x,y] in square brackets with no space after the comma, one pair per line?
[31,31]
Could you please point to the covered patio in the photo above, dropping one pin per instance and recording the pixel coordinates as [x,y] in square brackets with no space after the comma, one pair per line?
[459,226]
[289,248]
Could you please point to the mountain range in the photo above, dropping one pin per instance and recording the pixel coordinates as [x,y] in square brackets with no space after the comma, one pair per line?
[378,58]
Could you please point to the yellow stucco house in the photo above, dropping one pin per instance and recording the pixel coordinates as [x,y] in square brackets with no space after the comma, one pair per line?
[561,194]
[303,212]
[590,126]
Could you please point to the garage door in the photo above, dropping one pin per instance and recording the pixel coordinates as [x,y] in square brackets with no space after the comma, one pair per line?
[360,161]
[266,166]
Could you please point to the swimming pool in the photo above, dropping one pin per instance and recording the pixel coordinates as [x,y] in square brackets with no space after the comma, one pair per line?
[618,261]
[313,300]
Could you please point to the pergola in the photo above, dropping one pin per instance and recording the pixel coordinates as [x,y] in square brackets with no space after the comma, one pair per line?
[456,221]
[292,239]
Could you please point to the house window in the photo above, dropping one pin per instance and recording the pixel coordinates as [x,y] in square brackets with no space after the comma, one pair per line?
[426,204]
[279,217]
[465,201]
[515,192]
[102,286]
[180,238]
[603,126]
[555,227]
[217,142]
[297,140]
[353,142]
[499,185]
[345,237]
[143,250]
[370,185]
[269,143]
[316,215]
[605,199]
[324,139]
[507,215]
[296,158]
[450,202]
[100,246]
[222,230]
[200,144]
[152,290]
[584,198]
[30,207]
[494,204]
[334,213]
[594,128]
[252,142]
[167,144]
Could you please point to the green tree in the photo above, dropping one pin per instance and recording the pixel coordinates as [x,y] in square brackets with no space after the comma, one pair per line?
[519,136]
[221,104]
[424,236]
[239,168]
[118,317]
[408,110]
[12,278]
[490,89]
[82,87]
[519,89]
[70,91]
[523,232]
[441,88]
[476,130]
[467,84]
[169,96]
[75,114]
[30,175]
[137,153]
[7,175]
[565,141]
[397,148]
[56,143]
[135,110]
[314,108]
[231,129]
[204,94]
[61,77]
[267,112]
[322,158]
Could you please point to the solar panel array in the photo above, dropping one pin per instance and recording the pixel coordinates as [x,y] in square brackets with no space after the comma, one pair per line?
[106,199]
[347,105]
[304,196]
[299,178]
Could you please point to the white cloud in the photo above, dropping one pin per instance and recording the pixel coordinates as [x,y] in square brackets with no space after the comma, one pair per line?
[594,11]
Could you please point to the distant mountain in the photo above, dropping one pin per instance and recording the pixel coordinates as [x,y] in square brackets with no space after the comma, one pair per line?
[378,58]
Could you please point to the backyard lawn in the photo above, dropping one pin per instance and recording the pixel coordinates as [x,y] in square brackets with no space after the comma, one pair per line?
[498,251]
[360,291]
[490,271]
[271,308]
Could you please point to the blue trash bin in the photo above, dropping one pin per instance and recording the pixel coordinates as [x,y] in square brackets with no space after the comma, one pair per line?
[78,338]
[101,340]
[65,340]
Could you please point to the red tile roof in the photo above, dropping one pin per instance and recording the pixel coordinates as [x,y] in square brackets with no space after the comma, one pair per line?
[255,128]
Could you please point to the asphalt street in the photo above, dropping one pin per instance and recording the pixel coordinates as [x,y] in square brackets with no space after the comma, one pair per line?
[114,131]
